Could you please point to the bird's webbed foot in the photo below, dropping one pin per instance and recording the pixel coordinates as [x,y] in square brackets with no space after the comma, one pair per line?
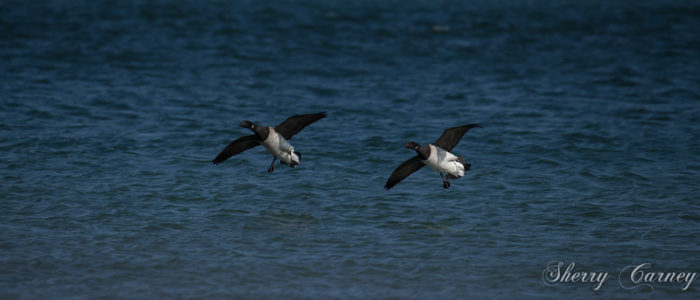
[445,183]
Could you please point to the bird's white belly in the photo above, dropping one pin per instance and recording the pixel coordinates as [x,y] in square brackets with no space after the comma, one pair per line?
[280,148]
[444,162]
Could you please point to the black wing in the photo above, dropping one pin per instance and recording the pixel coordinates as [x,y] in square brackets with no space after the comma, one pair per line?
[296,123]
[451,136]
[239,145]
[402,171]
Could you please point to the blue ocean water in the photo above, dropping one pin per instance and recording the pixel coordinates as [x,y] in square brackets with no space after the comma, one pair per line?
[111,112]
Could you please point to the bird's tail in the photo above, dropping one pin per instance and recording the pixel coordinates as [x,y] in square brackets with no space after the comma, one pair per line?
[464,163]
[247,124]
[295,159]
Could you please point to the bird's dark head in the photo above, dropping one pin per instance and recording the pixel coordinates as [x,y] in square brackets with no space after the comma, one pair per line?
[247,124]
[412,145]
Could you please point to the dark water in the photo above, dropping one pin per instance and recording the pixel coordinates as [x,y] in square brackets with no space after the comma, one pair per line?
[112,110]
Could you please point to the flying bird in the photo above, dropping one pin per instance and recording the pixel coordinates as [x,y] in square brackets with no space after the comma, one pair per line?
[274,139]
[437,156]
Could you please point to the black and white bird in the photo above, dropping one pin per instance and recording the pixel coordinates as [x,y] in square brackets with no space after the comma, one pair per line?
[274,139]
[437,156]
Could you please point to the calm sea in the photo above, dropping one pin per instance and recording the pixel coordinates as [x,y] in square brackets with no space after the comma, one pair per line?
[111,111]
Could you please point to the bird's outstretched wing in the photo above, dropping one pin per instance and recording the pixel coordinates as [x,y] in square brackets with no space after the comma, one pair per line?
[451,136]
[239,145]
[403,170]
[296,123]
